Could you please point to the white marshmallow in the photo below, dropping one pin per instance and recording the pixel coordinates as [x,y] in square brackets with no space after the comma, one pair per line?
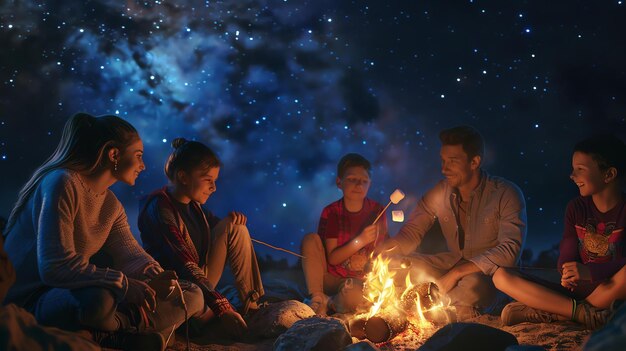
[397,216]
[396,196]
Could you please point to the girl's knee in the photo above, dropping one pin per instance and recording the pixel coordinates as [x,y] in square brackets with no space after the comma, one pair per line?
[236,234]
[311,240]
[240,231]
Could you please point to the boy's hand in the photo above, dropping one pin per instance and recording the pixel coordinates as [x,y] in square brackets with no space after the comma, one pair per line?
[357,262]
[368,234]
[574,272]
[238,218]
[568,285]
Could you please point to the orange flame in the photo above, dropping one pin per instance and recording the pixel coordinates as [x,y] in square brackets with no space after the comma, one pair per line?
[388,299]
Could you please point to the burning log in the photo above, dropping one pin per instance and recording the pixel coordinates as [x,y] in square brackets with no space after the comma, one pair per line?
[357,328]
[395,307]
[428,294]
[382,329]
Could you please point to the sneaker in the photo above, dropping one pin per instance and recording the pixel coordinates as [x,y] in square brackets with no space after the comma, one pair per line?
[592,317]
[250,302]
[130,341]
[319,304]
[517,312]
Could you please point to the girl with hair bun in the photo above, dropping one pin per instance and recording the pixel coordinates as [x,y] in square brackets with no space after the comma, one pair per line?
[182,235]
[77,263]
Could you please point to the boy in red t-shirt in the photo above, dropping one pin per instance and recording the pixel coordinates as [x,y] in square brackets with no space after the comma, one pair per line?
[337,254]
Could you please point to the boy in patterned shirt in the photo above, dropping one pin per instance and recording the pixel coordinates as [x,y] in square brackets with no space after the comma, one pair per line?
[337,254]
[592,252]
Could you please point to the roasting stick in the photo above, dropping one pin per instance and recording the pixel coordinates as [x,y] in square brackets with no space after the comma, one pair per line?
[276,248]
[394,198]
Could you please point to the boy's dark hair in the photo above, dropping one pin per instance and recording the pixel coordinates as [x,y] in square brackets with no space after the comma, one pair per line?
[189,155]
[352,160]
[468,137]
[607,150]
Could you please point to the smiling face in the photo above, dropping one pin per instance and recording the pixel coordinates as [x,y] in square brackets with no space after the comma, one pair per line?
[198,184]
[355,183]
[456,166]
[130,163]
[586,174]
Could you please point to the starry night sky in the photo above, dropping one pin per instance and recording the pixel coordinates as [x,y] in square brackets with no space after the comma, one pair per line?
[282,89]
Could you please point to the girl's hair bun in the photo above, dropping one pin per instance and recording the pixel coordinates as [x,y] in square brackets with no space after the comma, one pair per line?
[178,142]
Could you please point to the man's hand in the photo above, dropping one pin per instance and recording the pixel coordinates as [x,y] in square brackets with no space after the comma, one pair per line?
[573,272]
[141,294]
[448,281]
[238,218]
[233,324]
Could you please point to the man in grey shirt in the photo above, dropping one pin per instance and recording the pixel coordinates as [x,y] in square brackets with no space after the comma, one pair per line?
[482,218]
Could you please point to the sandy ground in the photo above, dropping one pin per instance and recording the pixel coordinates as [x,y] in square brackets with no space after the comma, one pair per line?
[551,336]
[290,285]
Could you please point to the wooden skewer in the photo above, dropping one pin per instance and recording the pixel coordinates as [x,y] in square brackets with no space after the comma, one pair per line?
[381,212]
[395,197]
[376,220]
[276,248]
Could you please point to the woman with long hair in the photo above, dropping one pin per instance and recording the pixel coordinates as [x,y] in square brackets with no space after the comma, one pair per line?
[77,263]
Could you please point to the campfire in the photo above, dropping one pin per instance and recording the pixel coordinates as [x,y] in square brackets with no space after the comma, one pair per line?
[398,304]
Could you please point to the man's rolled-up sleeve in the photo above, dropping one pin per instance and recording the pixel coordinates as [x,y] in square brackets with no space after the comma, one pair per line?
[420,221]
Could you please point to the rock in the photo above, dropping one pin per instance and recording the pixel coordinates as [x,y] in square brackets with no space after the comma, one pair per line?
[466,336]
[362,346]
[315,334]
[612,336]
[275,318]
[20,331]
